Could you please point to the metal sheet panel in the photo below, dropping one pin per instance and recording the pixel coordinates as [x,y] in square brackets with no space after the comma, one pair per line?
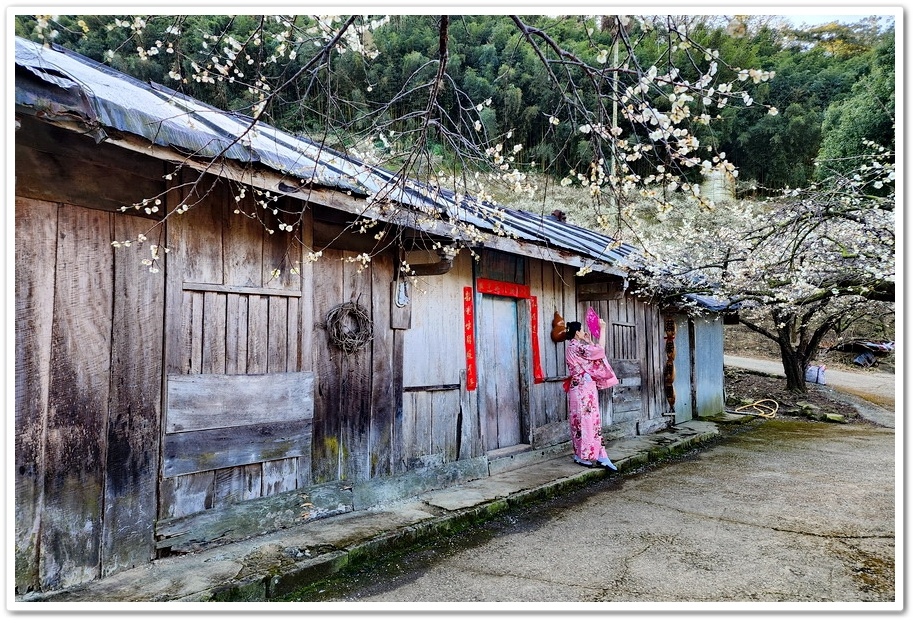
[109,99]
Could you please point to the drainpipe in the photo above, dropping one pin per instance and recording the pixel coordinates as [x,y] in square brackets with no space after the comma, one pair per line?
[435,268]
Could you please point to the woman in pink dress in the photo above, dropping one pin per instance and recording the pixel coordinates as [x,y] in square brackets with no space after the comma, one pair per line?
[589,371]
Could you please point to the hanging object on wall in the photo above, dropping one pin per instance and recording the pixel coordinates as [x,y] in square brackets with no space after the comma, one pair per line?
[349,326]
[668,373]
[558,330]
[592,322]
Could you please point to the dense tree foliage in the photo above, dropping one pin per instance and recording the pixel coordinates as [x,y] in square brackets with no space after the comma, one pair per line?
[833,84]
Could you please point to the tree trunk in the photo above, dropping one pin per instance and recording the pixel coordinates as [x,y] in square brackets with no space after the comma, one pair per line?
[794,367]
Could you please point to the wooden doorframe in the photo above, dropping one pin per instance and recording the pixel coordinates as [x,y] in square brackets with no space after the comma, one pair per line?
[519,291]
[530,369]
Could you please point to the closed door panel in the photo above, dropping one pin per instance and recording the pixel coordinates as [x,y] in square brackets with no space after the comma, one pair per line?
[498,370]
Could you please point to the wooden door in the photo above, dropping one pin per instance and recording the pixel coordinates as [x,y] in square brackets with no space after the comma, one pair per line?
[683,370]
[499,370]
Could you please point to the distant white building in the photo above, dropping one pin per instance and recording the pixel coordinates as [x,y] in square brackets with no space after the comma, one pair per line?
[718,186]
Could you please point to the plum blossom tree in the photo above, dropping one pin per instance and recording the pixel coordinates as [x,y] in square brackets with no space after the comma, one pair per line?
[797,267]
[639,125]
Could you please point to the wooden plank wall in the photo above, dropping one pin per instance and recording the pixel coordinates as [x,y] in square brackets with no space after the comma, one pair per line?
[655,361]
[435,341]
[357,403]
[134,420]
[232,315]
[217,420]
[88,382]
[635,349]
[555,287]
[440,421]
[107,177]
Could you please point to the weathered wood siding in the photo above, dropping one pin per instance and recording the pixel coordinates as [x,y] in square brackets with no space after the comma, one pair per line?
[357,409]
[88,379]
[554,287]
[635,348]
[235,321]
[435,342]
[440,417]
[170,411]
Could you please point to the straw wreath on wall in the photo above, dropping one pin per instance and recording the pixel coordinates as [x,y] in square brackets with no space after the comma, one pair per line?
[349,326]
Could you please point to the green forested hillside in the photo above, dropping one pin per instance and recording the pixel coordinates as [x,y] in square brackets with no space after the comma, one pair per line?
[833,85]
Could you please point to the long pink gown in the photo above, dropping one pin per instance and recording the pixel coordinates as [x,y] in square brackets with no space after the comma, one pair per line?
[589,371]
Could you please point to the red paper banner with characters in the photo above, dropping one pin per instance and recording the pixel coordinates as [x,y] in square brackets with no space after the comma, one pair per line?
[469,339]
[536,341]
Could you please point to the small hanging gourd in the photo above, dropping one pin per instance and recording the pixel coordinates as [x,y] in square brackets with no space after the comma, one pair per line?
[558,332]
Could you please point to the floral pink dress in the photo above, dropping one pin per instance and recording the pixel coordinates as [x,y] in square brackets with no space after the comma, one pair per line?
[589,371]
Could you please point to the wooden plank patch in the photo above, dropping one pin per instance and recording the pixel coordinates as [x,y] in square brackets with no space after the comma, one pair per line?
[207,401]
[202,450]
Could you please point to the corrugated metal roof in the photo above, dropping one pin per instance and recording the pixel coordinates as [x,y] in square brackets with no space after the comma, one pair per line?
[110,99]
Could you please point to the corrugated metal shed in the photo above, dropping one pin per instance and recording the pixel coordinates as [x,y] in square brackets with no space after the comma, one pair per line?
[71,86]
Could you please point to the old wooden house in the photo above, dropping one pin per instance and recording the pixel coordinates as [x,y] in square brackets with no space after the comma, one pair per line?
[240,387]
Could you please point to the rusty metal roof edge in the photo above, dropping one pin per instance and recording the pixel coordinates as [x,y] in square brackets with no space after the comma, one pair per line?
[349,173]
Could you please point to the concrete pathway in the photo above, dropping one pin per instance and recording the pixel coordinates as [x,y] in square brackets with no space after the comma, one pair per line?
[791,514]
[272,565]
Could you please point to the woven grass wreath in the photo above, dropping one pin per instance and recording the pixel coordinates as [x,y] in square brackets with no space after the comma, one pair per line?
[349,326]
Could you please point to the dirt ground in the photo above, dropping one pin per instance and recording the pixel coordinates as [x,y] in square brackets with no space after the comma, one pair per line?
[744,386]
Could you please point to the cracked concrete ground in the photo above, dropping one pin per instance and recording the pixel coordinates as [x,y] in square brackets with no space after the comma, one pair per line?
[787,511]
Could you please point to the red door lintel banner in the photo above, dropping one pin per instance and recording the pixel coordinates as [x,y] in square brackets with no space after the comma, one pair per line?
[469,355]
[503,288]
[517,291]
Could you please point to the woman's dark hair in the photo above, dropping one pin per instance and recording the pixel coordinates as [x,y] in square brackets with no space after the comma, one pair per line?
[571,328]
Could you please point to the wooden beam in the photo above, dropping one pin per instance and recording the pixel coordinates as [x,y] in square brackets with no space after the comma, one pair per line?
[205,450]
[216,287]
